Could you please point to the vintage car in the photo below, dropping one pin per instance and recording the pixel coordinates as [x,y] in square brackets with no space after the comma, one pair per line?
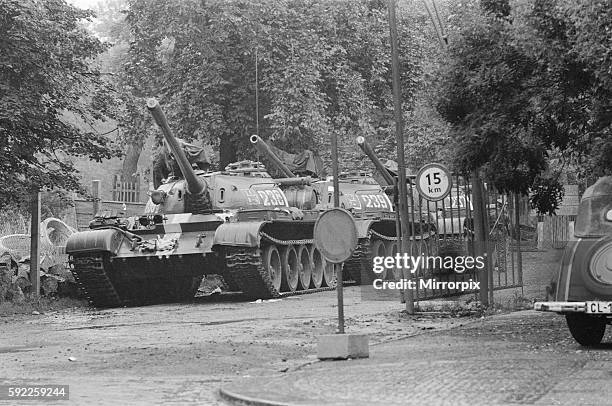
[583,287]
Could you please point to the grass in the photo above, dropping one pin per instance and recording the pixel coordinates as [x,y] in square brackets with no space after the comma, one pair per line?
[514,303]
[41,305]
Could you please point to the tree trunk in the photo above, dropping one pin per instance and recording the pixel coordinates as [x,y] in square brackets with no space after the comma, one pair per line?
[130,162]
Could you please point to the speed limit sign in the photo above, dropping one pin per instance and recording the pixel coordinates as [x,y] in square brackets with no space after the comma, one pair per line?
[433,182]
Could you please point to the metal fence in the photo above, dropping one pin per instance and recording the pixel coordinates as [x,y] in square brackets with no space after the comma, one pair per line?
[454,243]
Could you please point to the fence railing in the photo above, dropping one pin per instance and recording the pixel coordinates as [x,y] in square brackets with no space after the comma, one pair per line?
[126,190]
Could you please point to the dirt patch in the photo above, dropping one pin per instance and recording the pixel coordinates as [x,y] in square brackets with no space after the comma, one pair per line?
[38,306]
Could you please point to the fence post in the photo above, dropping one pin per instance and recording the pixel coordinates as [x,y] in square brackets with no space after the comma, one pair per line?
[489,243]
[95,193]
[34,244]
[519,256]
[480,236]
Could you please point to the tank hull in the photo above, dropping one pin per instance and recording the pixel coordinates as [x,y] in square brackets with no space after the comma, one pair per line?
[163,264]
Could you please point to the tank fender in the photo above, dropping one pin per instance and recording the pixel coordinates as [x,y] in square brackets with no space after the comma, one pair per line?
[82,242]
[239,234]
[363,226]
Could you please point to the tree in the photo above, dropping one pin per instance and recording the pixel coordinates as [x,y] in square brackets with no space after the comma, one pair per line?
[322,66]
[46,76]
[519,83]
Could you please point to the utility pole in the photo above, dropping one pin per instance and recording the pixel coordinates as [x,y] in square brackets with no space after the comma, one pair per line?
[399,134]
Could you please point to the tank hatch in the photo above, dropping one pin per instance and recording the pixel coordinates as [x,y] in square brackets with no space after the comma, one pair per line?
[247,168]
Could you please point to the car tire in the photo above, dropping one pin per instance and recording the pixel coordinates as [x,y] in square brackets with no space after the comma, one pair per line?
[586,330]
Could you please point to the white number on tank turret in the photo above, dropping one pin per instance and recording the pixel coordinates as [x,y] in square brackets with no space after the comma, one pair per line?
[272,197]
[353,201]
[268,197]
[374,201]
[252,198]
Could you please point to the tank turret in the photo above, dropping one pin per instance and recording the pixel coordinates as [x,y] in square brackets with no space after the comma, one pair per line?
[195,185]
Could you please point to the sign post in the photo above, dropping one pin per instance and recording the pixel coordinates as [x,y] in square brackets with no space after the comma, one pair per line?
[406,229]
[337,267]
[335,236]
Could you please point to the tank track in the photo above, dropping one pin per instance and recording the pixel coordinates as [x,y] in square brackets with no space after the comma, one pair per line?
[245,267]
[360,260]
[360,264]
[89,273]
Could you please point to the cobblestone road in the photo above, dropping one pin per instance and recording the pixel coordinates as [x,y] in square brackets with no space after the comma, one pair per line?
[523,358]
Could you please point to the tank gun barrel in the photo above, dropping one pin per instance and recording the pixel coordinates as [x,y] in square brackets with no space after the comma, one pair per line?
[298,181]
[195,185]
[367,149]
[264,149]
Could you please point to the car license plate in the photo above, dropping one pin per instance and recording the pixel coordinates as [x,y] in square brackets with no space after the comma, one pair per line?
[599,307]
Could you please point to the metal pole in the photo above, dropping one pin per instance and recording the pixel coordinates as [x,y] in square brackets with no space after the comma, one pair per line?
[95,193]
[399,134]
[338,267]
[480,236]
[34,242]
[489,243]
[398,233]
[519,255]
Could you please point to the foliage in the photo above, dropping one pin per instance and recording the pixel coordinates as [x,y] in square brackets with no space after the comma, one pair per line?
[322,67]
[547,194]
[45,76]
[523,78]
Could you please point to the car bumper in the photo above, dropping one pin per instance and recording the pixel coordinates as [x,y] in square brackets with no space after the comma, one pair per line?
[560,307]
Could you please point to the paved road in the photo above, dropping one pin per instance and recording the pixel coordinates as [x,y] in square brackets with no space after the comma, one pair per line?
[182,353]
[523,358]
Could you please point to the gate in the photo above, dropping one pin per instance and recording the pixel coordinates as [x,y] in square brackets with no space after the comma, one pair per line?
[454,242]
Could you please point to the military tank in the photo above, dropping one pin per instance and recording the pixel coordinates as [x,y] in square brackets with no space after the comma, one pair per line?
[236,223]
[424,239]
[368,202]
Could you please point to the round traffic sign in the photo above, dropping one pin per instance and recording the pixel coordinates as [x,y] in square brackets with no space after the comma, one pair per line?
[335,235]
[434,182]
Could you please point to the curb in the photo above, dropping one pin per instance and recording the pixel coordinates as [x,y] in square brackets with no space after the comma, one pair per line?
[235,398]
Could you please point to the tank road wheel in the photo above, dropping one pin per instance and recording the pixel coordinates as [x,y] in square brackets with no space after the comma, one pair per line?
[391,251]
[305,271]
[317,263]
[379,250]
[290,266]
[272,265]
[329,274]
[586,330]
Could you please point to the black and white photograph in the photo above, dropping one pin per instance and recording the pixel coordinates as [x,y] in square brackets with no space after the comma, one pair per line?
[306,202]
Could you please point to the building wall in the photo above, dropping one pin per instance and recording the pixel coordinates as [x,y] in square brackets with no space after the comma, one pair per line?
[105,171]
